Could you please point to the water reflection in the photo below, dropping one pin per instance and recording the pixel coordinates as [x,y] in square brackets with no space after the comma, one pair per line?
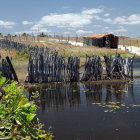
[93,93]
[73,95]
[88,111]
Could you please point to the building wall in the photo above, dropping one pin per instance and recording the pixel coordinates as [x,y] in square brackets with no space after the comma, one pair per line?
[85,42]
[100,42]
[90,42]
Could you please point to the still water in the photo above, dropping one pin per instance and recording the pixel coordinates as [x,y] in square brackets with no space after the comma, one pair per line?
[89,111]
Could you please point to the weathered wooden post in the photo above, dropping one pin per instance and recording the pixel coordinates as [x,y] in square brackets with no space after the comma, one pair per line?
[12,69]
[41,68]
[36,70]
[31,70]
[108,66]
[131,67]
[19,37]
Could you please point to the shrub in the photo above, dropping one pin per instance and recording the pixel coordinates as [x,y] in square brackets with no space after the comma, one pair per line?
[17,115]
[22,53]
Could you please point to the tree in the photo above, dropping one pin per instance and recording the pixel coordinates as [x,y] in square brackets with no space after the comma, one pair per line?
[1,35]
[8,35]
[42,34]
[24,34]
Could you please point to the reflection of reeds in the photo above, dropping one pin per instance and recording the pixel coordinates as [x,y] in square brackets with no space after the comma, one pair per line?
[104,94]
[94,94]
[63,96]
[58,96]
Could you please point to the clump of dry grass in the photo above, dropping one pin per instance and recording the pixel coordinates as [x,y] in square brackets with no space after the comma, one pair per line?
[5,52]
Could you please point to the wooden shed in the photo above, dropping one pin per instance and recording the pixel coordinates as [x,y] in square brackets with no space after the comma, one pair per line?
[101,40]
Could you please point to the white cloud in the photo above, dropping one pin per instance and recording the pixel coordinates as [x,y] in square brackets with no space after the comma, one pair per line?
[107,15]
[27,32]
[120,29]
[66,33]
[65,7]
[130,20]
[64,20]
[27,22]
[72,20]
[106,28]
[34,31]
[92,11]
[83,32]
[6,24]
[119,20]
[97,26]
[36,27]
[115,30]
[134,19]
[97,17]
[45,30]
[108,20]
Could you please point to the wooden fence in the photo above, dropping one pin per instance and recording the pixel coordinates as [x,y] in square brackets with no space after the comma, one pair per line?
[21,47]
[93,68]
[116,68]
[120,68]
[55,68]
[46,65]
[52,68]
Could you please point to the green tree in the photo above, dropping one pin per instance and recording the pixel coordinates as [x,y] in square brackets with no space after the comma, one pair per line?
[1,35]
[42,34]
[24,34]
[8,35]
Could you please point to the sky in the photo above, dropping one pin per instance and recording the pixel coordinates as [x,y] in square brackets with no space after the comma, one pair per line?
[70,17]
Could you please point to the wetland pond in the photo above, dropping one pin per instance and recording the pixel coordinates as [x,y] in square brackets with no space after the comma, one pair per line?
[91,111]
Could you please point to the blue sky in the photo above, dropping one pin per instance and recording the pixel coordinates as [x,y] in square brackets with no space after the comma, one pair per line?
[81,17]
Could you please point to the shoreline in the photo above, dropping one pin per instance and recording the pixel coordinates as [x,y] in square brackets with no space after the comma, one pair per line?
[113,81]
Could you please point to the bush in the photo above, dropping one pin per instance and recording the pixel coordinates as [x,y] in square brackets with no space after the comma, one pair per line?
[17,116]
[18,53]
[26,55]
[22,53]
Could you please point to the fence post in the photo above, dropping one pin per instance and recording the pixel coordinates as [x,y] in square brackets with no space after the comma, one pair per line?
[12,69]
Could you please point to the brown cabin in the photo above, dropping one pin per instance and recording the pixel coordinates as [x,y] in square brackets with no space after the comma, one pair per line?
[101,40]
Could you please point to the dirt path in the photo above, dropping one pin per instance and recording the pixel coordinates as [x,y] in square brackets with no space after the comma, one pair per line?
[132,49]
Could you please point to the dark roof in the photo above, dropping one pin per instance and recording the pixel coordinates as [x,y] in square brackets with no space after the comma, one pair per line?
[97,35]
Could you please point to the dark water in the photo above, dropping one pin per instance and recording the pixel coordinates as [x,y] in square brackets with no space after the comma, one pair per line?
[137,66]
[89,111]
